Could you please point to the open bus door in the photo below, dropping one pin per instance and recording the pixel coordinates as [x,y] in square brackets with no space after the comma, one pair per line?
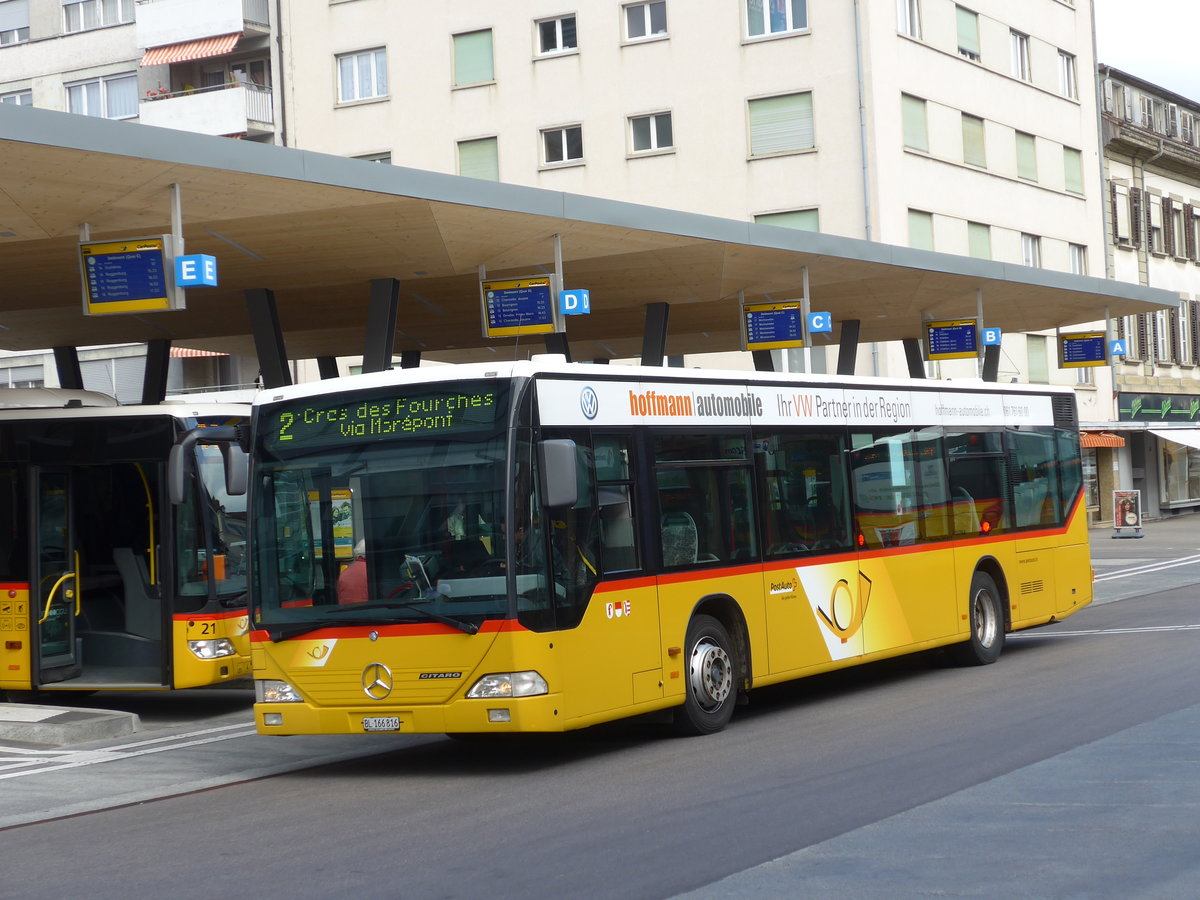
[55,573]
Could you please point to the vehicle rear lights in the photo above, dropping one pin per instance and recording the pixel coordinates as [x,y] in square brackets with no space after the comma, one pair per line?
[509,684]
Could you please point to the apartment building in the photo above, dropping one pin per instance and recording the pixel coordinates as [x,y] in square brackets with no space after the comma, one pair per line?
[1152,181]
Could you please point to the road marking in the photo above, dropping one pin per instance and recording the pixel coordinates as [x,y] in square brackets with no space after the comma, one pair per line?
[1144,630]
[33,762]
[1147,569]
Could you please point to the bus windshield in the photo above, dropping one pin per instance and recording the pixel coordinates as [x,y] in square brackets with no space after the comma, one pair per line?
[403,522]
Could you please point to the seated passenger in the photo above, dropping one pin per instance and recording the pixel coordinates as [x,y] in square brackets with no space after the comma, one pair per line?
[352,582]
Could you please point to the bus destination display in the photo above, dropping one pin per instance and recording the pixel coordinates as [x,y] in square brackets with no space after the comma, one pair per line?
[955,339]
[1082,349]
[127,276]
[773,326]
[418,414]
[518,306]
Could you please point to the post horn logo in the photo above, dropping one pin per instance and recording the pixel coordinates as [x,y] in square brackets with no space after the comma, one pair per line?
[845,614]
[377,681]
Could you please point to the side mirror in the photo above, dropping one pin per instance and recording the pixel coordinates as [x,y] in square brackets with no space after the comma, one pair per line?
[558,467]
[230,439]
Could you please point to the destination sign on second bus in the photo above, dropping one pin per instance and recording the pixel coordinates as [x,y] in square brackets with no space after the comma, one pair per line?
[418,414]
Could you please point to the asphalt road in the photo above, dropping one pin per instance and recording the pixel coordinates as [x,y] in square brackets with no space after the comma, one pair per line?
[626,811]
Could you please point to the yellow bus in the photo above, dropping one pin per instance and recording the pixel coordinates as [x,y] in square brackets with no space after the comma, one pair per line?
[104,584]
[541,546]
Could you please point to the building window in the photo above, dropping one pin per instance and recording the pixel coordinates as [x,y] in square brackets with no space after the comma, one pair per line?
[920,229]
[479,158]
[908,17]
[1038,366]
[1156,222]
[781,124]
[1066,75]
[362,76]
[799,219]
[979,240]
[88,14]
[18,98]
[649,133]
[1078,258]
[1026,157]
[645,20]
[1118,196]
[775,16]
[1019,44]
[14,21]
[974,152]
[968,33]
[916,127]
[562,145]
[473,58]
[557,35]
[1073,170]
[385,158]
[1031,251]
[112,97]
[1162,335]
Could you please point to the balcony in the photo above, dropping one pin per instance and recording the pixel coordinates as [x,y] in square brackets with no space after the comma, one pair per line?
[164,22]
[228,109]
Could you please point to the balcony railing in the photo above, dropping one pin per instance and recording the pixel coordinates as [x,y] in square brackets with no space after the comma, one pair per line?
[241,107]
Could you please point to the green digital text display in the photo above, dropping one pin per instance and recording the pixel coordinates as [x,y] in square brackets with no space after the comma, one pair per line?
[395,413]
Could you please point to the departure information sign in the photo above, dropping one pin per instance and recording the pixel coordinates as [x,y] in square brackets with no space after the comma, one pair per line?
[1085,348]
[518,306]
[773,326]
[425,411]
[953,339]
[135,275]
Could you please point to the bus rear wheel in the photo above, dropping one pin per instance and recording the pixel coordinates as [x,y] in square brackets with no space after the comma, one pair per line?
[711,688]
[986,615]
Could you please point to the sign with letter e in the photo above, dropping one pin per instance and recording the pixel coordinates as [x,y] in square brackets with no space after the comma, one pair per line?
[196,270]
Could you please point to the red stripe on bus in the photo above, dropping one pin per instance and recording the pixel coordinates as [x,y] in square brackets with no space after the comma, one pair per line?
[491,626]
[208,617]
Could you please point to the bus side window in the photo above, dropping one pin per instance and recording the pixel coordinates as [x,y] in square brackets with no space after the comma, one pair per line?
[802,493]
[614,494]
[1036,494]
[978,476]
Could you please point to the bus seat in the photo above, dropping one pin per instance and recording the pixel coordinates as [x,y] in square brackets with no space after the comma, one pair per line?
[680,540]
[143,611]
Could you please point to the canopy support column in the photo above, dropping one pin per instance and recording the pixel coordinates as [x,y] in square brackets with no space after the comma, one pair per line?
[268,337]
[848,346]
[912,354]
[381,324]
[763,361]
[991,363]
[66,360]
[556,342]
[654,338]
[154,381]
[327,367]
[410,359]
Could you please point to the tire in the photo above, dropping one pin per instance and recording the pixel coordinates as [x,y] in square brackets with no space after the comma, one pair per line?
[986,613]
[711,685]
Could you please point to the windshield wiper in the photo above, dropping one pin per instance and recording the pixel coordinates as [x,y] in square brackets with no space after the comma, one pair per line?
[283,632]
[466,627]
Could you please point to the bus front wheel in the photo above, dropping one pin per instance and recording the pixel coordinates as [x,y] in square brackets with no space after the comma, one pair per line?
[986,616]
[711,678]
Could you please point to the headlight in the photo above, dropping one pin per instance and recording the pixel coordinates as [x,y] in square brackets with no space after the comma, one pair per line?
[213,649]
[509,684]
[268,690]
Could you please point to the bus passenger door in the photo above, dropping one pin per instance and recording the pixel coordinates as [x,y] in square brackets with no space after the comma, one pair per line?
[55,599]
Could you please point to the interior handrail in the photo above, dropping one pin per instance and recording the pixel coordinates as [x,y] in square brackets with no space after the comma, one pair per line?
[50,597]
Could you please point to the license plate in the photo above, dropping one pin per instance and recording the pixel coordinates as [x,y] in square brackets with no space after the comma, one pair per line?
[381,723]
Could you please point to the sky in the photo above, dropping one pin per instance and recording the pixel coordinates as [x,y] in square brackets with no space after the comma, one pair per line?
[1152,39]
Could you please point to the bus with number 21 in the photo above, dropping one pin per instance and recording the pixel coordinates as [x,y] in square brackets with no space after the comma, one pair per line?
[541,546]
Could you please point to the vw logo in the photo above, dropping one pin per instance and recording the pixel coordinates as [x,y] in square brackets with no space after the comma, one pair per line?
[589,402]
[377,681]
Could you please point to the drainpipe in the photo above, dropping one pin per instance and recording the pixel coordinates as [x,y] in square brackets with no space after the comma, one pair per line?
[283,135]
[862,120]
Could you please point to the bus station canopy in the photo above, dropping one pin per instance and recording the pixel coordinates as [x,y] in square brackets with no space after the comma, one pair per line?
[317,229]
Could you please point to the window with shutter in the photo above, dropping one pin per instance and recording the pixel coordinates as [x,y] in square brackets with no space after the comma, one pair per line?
[1172,122]
[1073,170]
[974,149]
[1173,346]
[1168,225]
[1185,127]
[968,33]
[781,124]
[479,159]
[473,58]
[1135,216]
[1189,231]
[1153,209]
[1147,108]
[1143,328]
[916,130]
[1194,329]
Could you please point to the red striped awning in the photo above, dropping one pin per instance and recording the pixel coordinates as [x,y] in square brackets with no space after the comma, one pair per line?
[1100,439]
[188,50]
[188,353]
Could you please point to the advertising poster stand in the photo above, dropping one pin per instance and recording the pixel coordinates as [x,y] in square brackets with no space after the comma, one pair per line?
[1127,514]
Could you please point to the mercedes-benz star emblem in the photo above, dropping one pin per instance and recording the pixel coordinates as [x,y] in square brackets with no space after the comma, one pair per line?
[377,681]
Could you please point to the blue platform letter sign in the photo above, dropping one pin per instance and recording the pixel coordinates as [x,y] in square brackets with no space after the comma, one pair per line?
[991,337]
[196,270]
[819,322]
[1117,348]
[577,302]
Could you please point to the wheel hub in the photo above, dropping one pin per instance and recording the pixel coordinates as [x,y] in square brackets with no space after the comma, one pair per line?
[710,673]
